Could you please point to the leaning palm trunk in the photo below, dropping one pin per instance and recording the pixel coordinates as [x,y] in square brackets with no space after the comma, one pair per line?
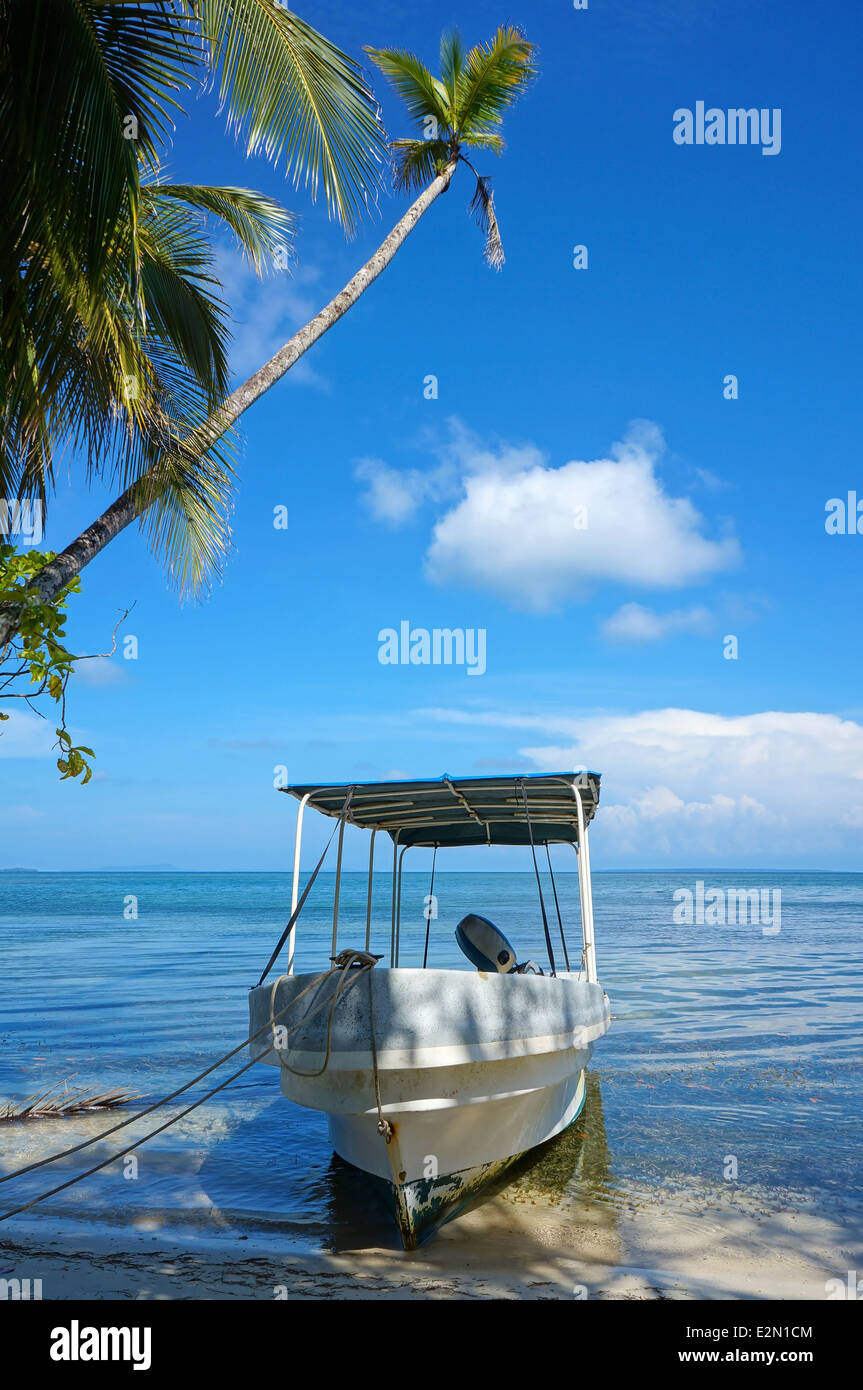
[140,495]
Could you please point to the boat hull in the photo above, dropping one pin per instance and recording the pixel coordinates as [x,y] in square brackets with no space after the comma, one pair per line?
[423,1204]
[473,1070]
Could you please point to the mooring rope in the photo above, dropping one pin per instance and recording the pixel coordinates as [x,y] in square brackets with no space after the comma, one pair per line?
[557,905]
[112,1158]
[385,1129]
[157,1104]
[518,784]
[345,961]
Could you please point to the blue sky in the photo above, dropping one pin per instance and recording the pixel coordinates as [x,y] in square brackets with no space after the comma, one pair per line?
[558,389]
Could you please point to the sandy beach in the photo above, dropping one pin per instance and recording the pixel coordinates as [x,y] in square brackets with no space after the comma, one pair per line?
[516,1245]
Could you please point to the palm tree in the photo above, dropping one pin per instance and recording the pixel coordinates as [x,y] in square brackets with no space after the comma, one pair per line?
[88,89]
[463,109]
[179,370]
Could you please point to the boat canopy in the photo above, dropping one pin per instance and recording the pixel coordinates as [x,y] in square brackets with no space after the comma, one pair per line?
[452,811]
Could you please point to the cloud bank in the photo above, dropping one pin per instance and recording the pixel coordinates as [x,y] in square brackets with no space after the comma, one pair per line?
[691,787]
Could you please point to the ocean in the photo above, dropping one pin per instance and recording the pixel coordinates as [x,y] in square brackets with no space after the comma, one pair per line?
[733,1067]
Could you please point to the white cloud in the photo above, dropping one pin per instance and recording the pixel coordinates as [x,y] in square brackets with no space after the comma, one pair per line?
[633,623]
[688,786]
[100,670]
[394,496]
[709,479]
[25,735]
[537,535]
[466,451]
[265,312]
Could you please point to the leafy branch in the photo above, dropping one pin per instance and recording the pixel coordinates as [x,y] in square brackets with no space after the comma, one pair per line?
[36,657]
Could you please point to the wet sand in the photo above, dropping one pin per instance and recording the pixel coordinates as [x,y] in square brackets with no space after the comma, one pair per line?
[512,1246]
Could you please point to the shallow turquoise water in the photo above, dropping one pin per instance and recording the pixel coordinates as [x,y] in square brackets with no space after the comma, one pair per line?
[726,1042]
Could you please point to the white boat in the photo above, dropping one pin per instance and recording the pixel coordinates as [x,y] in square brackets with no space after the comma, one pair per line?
[435,1081]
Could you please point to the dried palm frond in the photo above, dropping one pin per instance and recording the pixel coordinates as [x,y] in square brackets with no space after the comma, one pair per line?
[57,1102]
[482,207]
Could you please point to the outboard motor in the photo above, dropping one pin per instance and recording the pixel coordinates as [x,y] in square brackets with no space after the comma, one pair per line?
[485,946]
[488,949]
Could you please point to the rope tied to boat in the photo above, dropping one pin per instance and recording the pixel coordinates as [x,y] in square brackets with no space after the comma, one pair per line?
[557,905]
[132,1119]
[385,1129]
[520,784]
[346,960]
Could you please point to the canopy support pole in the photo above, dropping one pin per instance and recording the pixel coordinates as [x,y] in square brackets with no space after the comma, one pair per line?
[369,899]
[585,891]
[338,886]
[393,922]
[399,905]
[429,909]
[288,932]
[295,886]
[589,886]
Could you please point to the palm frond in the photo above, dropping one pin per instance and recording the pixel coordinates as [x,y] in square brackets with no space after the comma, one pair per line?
[98,84]
[55,1102]
[175,360]
[451,64]
[422,94]
[260,224]
[183,307]
[72,395]
[188,501]
[485,141]
[294,95]
[75,80]
[416,162]
[494,76]
[482,206]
